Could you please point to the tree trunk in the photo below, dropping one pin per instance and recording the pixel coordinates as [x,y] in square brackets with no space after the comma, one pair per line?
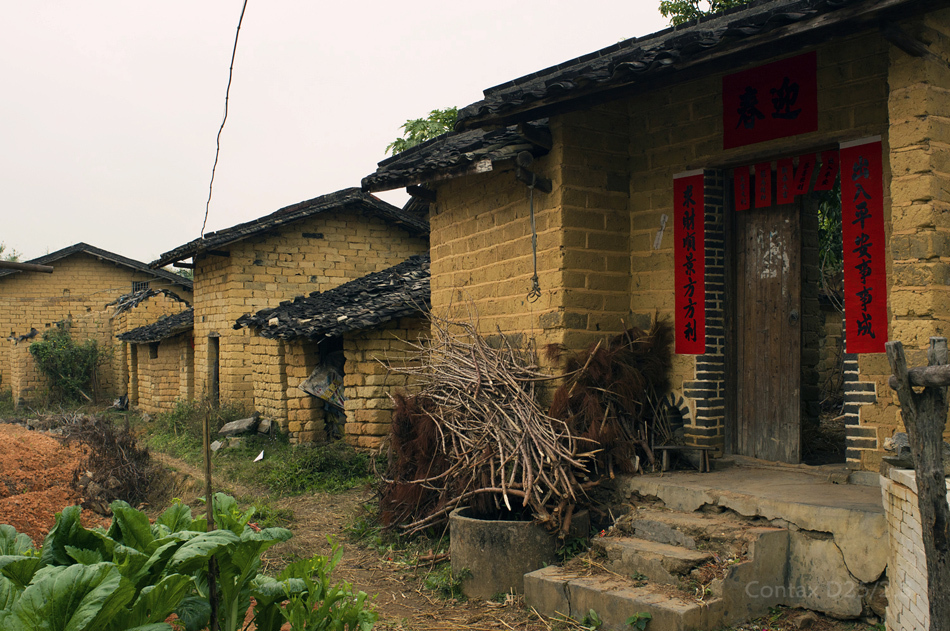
[925,416]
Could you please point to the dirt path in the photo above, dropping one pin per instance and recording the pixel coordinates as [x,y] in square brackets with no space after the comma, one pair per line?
[398,585]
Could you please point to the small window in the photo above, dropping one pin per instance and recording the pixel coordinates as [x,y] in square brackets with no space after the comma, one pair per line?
[140,286]
[153,350]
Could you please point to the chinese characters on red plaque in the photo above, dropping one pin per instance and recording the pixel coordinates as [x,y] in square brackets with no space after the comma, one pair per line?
[741,185]
[828,171]
[862,228]
[763,185]
[689,258]
[784,182]
[776,100]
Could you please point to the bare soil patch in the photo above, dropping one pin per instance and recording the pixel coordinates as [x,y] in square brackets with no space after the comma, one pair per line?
[37,471]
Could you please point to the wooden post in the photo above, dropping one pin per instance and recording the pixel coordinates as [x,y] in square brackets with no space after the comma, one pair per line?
[26,267]
[209,506]
[925,416]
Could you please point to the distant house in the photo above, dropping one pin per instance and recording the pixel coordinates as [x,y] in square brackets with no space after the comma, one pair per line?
[84,281]
[370,321]
[315,245]
[681,178]
[161,369]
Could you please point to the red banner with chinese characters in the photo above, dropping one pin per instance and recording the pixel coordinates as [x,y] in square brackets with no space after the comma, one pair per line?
[763,185]
[689,257]
[784,182]
[806,167]
[862,231]
[828,171]
[776,100]
[741,184]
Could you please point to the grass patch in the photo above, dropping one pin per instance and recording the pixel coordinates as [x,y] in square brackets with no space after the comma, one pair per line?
[285,470]
[7,408]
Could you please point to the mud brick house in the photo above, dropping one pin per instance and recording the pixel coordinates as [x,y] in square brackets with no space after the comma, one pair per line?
[85,280]
[314,245]
[680,177]
[372,320]
[161,368]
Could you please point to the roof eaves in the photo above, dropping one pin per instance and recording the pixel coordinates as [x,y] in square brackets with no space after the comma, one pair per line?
[624,66]
[346,198]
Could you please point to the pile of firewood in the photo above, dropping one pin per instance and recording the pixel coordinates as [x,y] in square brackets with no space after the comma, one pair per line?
[476,435]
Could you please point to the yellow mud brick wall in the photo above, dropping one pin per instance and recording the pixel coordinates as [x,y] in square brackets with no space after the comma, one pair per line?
[263,271]
[368,383]
[147,312]
[27,383]
[918,154]
[481,240]
[164,374]
[80,284]
[305,413]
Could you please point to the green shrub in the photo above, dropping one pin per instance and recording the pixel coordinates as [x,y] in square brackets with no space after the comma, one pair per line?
[70,368]
[134,575]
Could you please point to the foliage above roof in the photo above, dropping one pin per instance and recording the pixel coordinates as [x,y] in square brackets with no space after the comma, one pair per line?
[363,303]
[165,328]
[103,255]
[453,154]
[351,200]
[732,37]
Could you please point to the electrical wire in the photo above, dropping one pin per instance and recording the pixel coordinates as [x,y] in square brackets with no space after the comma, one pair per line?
[227,94]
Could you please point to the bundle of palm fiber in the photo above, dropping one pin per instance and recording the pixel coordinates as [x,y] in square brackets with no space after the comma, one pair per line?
[476,435]
[611,396]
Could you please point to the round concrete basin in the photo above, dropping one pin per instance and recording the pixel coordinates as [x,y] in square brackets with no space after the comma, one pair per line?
[498,553]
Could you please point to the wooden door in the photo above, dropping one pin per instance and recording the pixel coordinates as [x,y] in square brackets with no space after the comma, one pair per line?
[768,333]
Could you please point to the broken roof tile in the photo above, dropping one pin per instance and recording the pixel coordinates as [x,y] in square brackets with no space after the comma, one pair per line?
[363,303]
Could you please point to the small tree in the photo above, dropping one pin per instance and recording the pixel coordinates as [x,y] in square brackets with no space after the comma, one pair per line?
[683,11]
[70,368]
[12,255]
[418,130]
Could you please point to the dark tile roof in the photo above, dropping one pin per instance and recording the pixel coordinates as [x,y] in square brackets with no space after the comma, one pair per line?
[638,60]
[349,200]
[163,329]
[85,248]
[134,299]
[451,155]
[363,303]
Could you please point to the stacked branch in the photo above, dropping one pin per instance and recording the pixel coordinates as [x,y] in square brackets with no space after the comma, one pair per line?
[613,396]
[475,435]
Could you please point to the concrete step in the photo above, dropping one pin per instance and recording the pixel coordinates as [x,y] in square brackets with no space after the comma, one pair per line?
[723,535]
[658,562]
[554,590]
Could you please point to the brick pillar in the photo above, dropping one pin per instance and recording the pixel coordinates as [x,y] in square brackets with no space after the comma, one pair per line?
[709,387]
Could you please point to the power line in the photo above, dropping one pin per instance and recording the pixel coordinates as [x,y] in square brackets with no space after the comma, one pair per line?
[227,94]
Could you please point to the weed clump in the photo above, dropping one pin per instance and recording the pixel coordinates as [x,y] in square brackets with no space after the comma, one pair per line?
[115,467]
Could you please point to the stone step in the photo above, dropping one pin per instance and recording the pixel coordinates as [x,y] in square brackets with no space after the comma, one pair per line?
[722,534]
[658,562]
[554,590]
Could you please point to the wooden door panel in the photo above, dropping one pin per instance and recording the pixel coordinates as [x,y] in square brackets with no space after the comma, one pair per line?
[768,333]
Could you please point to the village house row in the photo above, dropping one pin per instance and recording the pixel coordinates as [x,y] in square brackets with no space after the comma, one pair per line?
[674,176]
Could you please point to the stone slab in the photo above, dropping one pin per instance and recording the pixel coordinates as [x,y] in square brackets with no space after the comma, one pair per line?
[659,562]
[554,590]
[853,514]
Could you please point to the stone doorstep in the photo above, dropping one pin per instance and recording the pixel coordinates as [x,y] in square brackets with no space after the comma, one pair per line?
[659,562]
[725,535]
[554,590]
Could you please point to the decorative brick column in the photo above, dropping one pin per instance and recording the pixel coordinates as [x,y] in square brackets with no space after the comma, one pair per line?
[708,390]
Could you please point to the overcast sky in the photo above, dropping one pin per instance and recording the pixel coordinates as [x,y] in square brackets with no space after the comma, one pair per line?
[109,109]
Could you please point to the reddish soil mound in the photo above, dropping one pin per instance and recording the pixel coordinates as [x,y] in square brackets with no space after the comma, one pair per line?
[36,475]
